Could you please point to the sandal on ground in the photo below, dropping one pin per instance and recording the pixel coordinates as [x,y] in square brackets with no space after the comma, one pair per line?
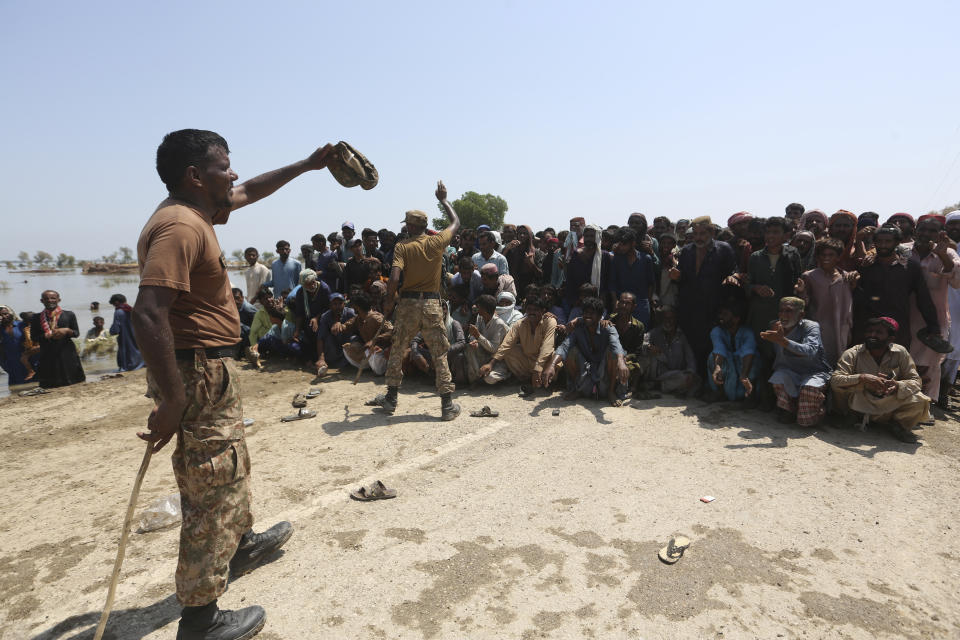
[376,491]
[313,393]
[33,392]
[674,549]
[485,412]
[299,401]
[303,414]
[526,391]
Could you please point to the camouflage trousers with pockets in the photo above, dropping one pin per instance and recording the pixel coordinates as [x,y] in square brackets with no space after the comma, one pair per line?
[425,317]
[211,465]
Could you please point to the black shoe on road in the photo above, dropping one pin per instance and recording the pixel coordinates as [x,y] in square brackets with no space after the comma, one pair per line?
[241,624]
[256,547]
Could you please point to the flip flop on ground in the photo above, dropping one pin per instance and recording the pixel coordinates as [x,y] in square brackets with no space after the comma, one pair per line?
[299,401]
[376,491]
[303,414]
[485,412]
[674,549]
[313,393]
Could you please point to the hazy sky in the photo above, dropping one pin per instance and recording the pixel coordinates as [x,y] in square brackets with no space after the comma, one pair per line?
[562,108]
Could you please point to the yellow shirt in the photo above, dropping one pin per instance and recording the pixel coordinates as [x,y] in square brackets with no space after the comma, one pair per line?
[421,260]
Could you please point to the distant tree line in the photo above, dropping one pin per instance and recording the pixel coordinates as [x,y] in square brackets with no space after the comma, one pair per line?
[43,260]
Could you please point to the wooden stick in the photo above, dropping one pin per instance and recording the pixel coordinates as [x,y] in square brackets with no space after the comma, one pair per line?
[123,541]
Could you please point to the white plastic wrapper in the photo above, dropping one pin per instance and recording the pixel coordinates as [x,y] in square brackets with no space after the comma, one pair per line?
[162,513]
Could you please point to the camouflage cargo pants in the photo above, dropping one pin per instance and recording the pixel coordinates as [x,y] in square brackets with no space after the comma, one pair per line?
[424,317]
[211,464]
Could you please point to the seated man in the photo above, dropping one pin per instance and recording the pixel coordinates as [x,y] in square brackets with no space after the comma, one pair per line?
[667,360]
[732,363]
[247,313]
[483,341]
[494,283]
[330,344]
[468,275]
[800,369]
[879,379]
[275,338]
[460,307]
[629,331]
[370,335]
[598,366]
[308,302]
[527,348]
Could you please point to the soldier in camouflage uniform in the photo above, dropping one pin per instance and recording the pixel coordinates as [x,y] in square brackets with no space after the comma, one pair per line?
[188,328]
[420,259]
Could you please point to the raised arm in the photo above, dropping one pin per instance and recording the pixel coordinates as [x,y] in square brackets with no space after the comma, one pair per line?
[441,194]
[151,326]
[264,184]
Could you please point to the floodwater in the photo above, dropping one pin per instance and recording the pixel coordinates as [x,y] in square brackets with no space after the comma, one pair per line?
[21,292]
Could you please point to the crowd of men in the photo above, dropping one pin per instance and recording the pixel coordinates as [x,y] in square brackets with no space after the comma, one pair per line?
[779,313]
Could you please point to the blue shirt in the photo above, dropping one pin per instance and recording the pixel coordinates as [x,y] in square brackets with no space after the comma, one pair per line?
[476,285]
[636,278]
[324,271]
[496,258]
[605,338]
[743,343]
[327,320]
[286,275]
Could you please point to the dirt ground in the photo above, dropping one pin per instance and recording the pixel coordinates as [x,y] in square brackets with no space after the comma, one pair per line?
[521,526]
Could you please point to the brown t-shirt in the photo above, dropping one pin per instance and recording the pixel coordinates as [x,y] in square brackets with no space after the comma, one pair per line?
[421,260]
[178,249]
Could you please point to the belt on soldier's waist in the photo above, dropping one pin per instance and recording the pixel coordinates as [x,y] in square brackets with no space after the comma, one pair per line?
[420,295]
[212,353]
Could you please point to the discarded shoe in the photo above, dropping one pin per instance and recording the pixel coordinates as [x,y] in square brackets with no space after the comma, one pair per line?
[376,491]
[303,414]
[674,549]
[299,401]
[485,412]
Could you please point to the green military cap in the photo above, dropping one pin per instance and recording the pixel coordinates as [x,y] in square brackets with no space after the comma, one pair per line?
[416,217]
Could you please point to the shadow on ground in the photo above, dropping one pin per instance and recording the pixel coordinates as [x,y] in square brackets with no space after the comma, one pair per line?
[765,432]
[124,624]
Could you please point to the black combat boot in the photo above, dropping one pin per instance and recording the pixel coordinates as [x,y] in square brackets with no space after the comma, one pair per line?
[389,401]
[448,410]
[211,623]
[256,547]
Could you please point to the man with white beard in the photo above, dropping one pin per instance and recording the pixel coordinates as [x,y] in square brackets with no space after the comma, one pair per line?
[800,371]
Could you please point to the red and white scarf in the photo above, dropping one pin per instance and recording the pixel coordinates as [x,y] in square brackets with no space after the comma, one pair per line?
[48,321]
